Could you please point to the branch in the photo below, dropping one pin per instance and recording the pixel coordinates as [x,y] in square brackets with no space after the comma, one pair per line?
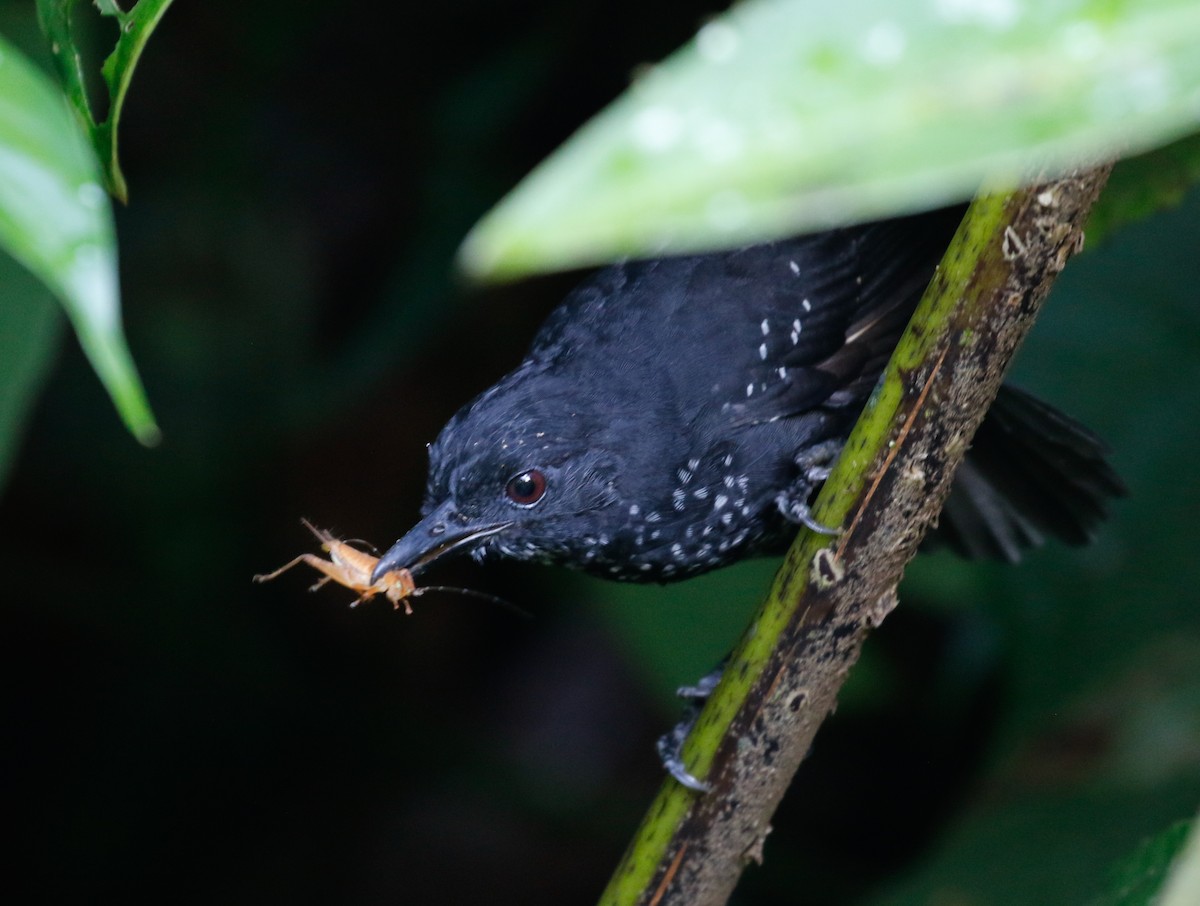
[887,489]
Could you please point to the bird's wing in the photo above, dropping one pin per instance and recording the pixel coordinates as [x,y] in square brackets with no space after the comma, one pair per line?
[811,321]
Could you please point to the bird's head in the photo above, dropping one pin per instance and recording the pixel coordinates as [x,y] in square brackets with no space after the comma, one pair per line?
[520,471]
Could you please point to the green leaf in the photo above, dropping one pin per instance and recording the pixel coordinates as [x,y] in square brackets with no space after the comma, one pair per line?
[1043,847]
[30,329]
[1145,184]
[56,220]
[135,27]
[785,115]
[1182,887]
[1137,879]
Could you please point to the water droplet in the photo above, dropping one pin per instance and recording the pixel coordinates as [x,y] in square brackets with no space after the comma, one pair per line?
[1082,41]
[998,14]
[1144,90]
[718,42]
[1150,87]
[657,128]
[885,43]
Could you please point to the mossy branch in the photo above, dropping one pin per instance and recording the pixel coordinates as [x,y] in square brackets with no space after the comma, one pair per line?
[887,490]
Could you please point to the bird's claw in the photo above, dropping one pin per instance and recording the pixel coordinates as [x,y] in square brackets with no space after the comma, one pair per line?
[795,509]
[670,748]
[703,688]
[815,464]
[670,744]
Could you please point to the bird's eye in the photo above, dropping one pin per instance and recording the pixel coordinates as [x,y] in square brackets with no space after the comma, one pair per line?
[527,488]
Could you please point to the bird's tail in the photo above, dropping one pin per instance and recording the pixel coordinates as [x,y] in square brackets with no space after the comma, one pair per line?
[1031,472]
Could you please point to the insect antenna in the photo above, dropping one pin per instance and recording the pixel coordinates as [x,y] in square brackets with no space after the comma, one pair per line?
[472,593]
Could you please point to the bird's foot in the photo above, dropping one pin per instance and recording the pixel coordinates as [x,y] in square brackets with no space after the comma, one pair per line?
[670,745]
[797,511]
[815,463]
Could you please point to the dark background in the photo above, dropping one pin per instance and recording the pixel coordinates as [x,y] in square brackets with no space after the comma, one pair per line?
[300,176]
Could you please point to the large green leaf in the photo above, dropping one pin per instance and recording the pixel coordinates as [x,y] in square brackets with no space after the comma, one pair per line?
[135,28]
[55,218]
[786,115]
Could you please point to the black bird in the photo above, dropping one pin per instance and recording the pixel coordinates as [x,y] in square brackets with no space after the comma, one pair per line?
[674,416]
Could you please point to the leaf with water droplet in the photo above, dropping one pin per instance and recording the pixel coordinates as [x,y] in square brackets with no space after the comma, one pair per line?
[56,220]
[787,115]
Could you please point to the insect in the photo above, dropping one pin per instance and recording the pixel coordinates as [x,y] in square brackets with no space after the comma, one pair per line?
[349,566]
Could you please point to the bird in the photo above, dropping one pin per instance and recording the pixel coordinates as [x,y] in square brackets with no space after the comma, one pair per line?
[676,415]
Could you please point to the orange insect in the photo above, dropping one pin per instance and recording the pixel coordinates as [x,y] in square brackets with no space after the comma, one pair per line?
[352,568]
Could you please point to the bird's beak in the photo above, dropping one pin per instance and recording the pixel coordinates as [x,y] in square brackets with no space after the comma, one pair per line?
[441,532]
